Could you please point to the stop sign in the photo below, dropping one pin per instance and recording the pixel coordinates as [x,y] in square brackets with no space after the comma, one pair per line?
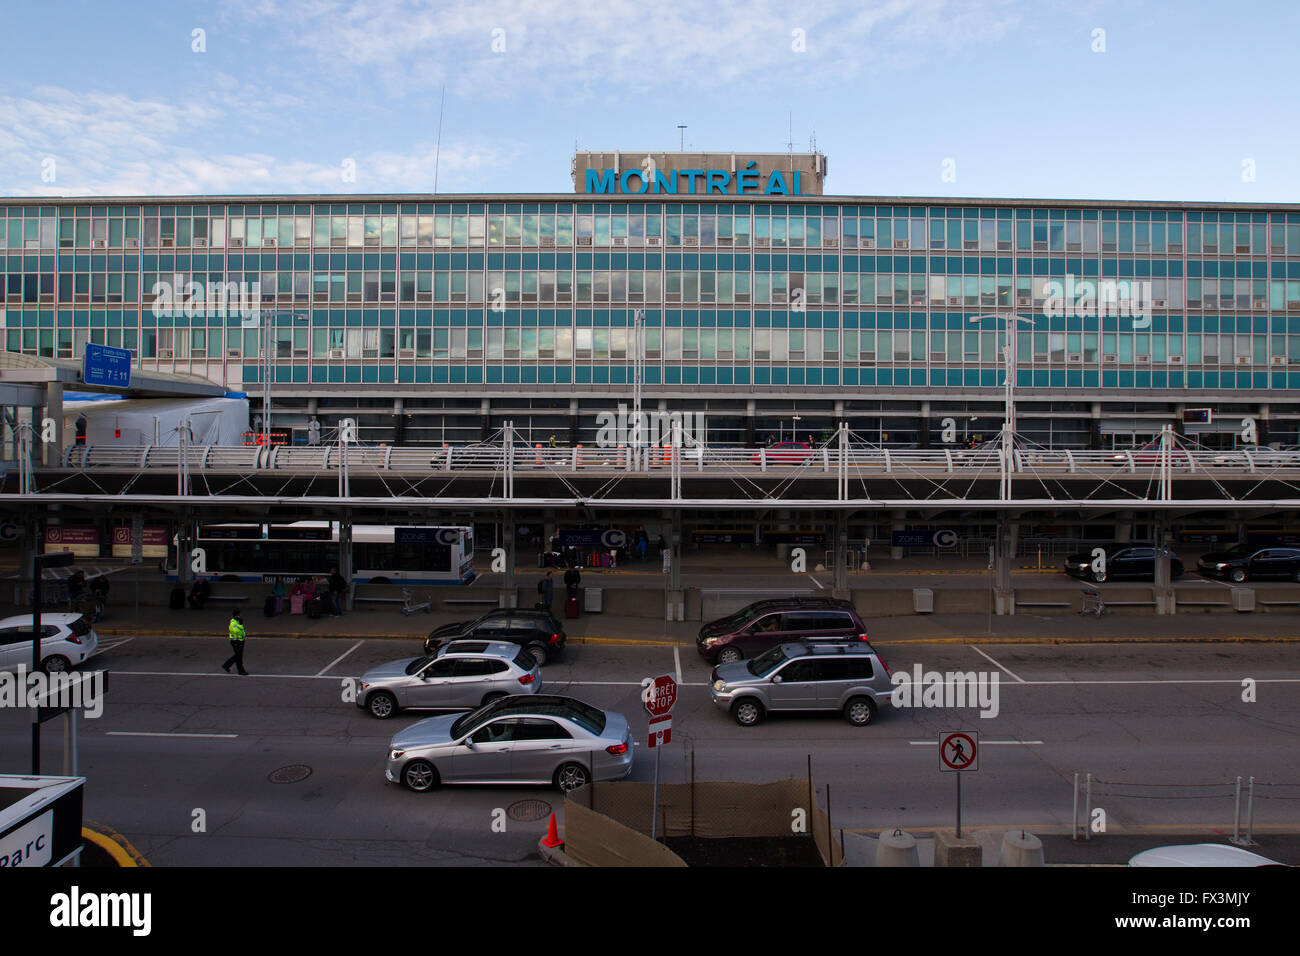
[659,694]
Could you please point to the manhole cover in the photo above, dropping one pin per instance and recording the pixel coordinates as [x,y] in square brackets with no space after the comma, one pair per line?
[290,774]
[526,811]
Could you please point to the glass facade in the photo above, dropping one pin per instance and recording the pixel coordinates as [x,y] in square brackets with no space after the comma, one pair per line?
[768,297]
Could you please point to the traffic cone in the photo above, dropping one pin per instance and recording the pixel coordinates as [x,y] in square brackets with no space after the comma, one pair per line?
[552,835]
[577,457]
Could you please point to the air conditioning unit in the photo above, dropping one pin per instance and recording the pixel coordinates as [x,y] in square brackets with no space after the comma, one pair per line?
[831,243]
[652,240]
[584,240]
[868,242]
[336,353]
[1158,303]
[99,243]
[1108,359]
[1175,360]
[1277,360]
[133,243]
[168,243]
[1074,357]
[690,240]
[269,241]
[954,300]
[900,243]
[164,354]
[762,242]
[1243,360]
[1022,300]
[236,242]
[620,240]
[232,353]
[1144,359]
[200,243]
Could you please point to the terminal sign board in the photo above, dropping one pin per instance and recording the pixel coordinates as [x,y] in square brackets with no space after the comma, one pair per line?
[106,365]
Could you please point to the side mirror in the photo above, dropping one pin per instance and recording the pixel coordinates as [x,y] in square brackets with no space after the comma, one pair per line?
[776,678]
[467,743]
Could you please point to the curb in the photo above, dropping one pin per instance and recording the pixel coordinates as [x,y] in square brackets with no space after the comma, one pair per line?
[113,843]
[556,855]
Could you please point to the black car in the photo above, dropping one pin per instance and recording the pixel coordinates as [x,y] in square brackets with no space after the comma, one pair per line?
[1242,564]
[538,632]
[1122,561]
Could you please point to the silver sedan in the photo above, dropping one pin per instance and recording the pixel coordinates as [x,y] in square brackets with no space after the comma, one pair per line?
[538,739]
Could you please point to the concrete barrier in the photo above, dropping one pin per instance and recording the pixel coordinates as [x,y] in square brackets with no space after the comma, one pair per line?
[1021,848]
[897,848]
[949,850]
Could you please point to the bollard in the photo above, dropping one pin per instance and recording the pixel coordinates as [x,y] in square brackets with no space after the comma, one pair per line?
[897,849]
[1021,848]
[538,449]
[620,457]
[577,457]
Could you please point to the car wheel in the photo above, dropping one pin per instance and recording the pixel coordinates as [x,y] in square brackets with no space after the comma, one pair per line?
[729,655]
[1237,575]
[571,776]
[747,712]
[487,699]
[56,664]
[860,711]
[382,705]
[538,652]
[420,775]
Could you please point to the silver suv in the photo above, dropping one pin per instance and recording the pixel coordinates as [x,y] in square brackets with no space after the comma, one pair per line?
[849,677]
[461,676]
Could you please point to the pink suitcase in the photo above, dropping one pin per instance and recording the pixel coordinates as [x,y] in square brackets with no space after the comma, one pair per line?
[297,604]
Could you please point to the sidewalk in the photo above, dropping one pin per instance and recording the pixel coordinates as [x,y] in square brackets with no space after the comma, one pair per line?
[601,628]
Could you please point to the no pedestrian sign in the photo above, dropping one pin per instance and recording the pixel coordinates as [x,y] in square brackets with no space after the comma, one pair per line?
[959,751]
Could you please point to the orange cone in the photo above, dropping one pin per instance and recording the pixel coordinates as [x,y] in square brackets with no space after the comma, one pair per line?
[552,835]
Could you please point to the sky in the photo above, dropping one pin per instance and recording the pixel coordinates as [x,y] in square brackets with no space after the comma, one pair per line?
[1071,99]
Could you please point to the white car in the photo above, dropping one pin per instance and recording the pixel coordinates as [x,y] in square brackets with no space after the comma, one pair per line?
[1200,854]
[67,639]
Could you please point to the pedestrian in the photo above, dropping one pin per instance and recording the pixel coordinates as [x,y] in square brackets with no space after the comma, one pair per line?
[338,588]
[546,588]
[313,431]
[661,544]
[572,578]
[237,636]
[81,429]
[642,542]
[552,439]
[199,593]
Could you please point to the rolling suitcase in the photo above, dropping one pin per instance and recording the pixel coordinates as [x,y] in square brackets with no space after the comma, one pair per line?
[296,603]
[571,608]
[315,608]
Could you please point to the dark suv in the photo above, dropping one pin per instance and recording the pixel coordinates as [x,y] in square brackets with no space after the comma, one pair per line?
[537,632]
[766,624]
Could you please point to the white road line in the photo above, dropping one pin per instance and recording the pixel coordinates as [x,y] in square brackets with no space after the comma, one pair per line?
[995,663]
[339,658]
[818,583]
[983,743]
[108,647]
[142,734]
[677,660]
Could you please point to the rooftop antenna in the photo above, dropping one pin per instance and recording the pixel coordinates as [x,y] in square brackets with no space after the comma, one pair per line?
[683,129]
[437,155]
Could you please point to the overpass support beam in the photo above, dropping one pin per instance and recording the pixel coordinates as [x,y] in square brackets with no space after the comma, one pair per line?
[1004,596]
[345,557]
[1166,602]
[53,410]
[674,596]
[898,523]
[840,555]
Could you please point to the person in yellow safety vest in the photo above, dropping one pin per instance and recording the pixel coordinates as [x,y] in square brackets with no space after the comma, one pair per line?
[552,440]
[237,635]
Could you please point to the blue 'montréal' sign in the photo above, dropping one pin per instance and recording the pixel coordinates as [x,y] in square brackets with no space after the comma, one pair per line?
[106,365]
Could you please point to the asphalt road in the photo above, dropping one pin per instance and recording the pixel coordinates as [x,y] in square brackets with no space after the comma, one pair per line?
[1147,720]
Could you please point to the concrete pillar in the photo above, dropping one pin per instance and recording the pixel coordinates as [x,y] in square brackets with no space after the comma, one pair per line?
[841,555]
[782,548]
[1164,589]
[751,440]
[1094,427]
[923,426]
[1004,595]
[897,524]
[509,596]
[345,556]
[674,597]
[53,451]
[1124,527]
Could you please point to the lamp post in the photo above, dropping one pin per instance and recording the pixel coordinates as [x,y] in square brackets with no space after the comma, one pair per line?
[1009,415]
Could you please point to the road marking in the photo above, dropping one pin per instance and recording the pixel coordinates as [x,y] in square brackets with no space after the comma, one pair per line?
[1005,670]
[983,743]
[340,657]
[677,660]
[108,647]
[818,583]
[130,733]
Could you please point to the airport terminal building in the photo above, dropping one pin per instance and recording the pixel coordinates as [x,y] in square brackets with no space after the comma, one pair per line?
[772,307]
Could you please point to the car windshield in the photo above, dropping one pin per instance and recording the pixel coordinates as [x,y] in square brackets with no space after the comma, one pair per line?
[476,717]
[764,662]
[524,661]
[417,665]
[734,622]
[80,627]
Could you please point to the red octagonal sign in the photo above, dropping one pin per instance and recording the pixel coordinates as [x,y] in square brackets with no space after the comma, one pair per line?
[659,694]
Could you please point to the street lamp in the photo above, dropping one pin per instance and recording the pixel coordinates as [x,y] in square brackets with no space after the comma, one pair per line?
[1009,415]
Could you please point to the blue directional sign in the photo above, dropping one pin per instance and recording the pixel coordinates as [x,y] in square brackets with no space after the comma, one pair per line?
[105,365]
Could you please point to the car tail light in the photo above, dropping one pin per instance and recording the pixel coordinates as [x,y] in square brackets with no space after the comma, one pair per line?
[883,664]
[74,638]
[527,679]
[616,750]
[863,637]
[555,638]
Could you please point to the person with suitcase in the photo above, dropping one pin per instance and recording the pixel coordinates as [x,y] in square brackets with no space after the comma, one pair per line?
[546,588]
[572,579]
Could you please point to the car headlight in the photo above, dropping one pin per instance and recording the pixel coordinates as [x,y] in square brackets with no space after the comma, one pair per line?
[1221,565]
[363,685]
[719,684]
[395,754]
[710,641]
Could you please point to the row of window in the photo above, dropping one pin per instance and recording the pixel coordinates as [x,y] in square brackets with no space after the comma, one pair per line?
[865,346]
[819,230]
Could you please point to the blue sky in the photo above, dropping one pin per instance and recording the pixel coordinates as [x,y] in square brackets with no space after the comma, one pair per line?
[1021,96]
